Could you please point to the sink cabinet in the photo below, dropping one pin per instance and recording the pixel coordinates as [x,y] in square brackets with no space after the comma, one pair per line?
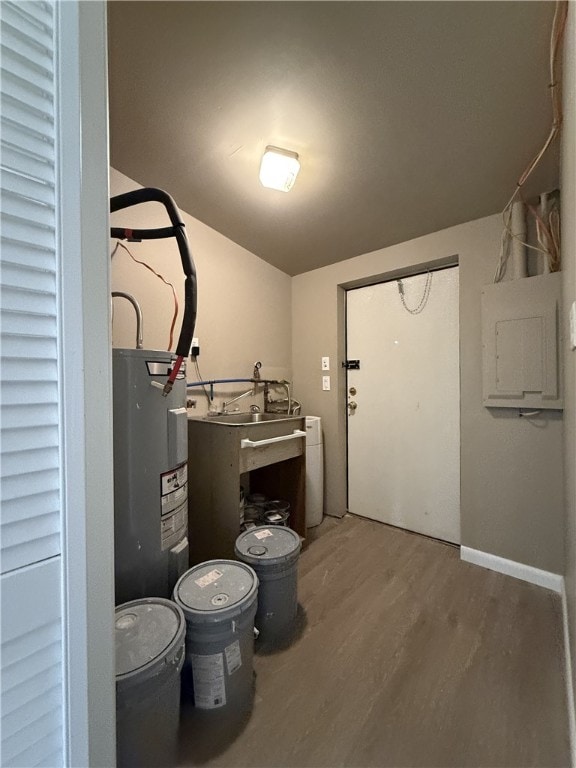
[218,454]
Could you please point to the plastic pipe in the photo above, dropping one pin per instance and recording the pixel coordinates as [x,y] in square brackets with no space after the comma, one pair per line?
[210,382]
[518,266]
[544,215]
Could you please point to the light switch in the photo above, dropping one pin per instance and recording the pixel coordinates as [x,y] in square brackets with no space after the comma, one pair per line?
[326,383]
[325,363]
[573,325]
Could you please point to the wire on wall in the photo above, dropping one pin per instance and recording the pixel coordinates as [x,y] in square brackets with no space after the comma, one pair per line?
[159,276]
[548,231]
[197,367]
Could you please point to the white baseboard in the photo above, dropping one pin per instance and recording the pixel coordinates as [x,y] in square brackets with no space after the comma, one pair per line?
[546,579]
[554,582]
[569,679]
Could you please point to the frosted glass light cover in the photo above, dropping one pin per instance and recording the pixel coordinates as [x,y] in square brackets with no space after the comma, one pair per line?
[279,168]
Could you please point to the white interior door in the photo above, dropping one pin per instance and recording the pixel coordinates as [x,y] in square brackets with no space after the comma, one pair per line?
[404,433]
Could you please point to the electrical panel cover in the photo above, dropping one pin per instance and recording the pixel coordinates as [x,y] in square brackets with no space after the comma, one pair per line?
[520,343]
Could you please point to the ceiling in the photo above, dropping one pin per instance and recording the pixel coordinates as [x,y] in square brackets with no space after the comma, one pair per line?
[408,117]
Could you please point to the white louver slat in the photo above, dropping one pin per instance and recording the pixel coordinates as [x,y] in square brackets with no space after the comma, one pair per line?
[30,474]
[28,291]
[31,665]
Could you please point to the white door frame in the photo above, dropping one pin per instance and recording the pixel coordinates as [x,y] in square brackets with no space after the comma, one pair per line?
[86,415]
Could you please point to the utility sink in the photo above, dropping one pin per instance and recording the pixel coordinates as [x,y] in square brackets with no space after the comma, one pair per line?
[241,419]
[222,450]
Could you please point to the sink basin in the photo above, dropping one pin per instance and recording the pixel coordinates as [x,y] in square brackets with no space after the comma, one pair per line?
[246,418]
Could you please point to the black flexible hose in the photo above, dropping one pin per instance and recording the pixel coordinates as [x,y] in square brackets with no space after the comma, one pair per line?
[148,195]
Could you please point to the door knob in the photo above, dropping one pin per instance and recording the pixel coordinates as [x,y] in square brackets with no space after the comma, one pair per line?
[352,405]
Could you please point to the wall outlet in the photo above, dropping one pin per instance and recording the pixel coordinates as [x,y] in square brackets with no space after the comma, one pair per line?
[195,348]
[325,363]
[326,383]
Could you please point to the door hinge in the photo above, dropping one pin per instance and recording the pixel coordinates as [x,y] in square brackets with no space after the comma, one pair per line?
[351,365]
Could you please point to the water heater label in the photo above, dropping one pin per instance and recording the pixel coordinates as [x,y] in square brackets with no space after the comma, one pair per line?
[163,368]
[173,527]
[173,488]
[174,479]
[208,681]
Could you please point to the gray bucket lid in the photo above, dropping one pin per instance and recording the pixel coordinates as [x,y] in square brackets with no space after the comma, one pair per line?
[270,545]
[216,590]
[149,633]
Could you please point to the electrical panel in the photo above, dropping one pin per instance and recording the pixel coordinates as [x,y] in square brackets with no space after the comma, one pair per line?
[521,343]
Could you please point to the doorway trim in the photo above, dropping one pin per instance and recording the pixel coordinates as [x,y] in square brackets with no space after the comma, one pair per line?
[86,415]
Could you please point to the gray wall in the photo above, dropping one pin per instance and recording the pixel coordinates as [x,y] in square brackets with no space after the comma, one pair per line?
[568,171]
[511,469]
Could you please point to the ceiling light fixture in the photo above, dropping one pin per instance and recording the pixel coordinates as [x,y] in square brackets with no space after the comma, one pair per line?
[279,168]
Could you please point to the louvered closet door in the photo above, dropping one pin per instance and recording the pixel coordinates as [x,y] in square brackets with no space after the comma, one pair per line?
[32,684]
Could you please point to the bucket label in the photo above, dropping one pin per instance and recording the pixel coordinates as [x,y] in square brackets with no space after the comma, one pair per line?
[233,657]
[209,578]
[208,681]
[263,534]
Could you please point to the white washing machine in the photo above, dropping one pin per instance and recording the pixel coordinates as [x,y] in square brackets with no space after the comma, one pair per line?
[314,471]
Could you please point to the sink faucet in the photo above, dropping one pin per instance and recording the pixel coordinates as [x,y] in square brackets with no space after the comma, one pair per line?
[234,399]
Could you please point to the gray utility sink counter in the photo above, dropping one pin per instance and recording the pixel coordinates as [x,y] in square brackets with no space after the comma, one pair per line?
[270,447]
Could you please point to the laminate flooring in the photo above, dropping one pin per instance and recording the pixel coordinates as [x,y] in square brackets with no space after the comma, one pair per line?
[404,656]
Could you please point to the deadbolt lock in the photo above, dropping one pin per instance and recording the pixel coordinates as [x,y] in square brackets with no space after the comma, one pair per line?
[352,391]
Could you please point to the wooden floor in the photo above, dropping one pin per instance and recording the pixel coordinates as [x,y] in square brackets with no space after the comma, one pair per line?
[406,656]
